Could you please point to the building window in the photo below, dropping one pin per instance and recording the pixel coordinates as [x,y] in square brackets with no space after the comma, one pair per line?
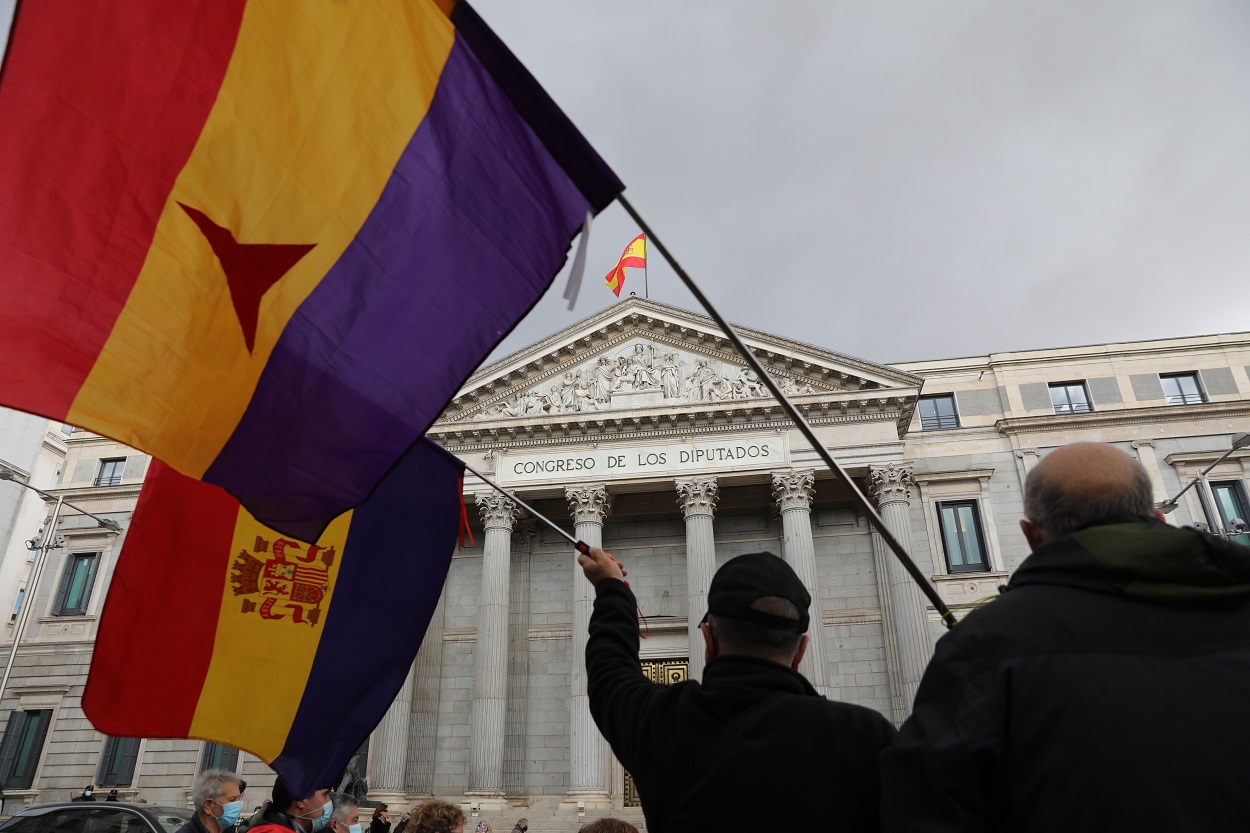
[1182,389]
[117,764]
[961,536]
[1070,398]
[111,472]
[937,412]
[21,747]
[74,593]
[219,756]
[1231,503]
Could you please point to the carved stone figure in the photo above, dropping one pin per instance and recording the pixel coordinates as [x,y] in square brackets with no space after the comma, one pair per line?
[670,376]
[641,363]
[602,379]
[748,385]
[707,385]
[792,387]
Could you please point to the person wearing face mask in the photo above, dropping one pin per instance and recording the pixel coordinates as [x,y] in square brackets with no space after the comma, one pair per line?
[303,815]
[86,794]
[346,815]
[218,802]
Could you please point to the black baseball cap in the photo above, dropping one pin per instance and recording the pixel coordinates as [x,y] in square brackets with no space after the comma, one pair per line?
[747,579]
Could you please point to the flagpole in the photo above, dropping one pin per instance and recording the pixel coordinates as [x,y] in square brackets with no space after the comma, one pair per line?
[580,546]
[857,497]
[646,290]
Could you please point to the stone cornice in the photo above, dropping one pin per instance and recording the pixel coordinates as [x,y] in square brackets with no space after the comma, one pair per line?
[819,409]
[1201,459]
[943,476]
[1153,414]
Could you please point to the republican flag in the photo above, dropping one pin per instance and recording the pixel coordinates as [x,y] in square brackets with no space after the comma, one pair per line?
[266,241]
[263,642]
[635,255]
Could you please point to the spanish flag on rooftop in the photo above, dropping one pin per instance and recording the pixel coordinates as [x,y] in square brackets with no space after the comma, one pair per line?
[267,240]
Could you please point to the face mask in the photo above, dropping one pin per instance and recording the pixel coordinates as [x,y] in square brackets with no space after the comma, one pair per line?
[230,813]
[324,819]
[86,792]
[354,828]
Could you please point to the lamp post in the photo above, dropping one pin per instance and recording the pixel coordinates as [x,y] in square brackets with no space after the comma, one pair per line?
[46,541]
[1240,441]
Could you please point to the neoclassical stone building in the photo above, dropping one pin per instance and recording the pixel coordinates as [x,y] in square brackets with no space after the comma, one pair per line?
[641,430]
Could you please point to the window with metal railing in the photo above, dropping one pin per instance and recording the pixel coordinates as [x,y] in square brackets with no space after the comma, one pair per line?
[938,412]
[111,470]
[1070,398]
[1182,389]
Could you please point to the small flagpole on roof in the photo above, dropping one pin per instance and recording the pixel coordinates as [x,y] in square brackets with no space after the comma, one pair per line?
[857,497]
[646,290]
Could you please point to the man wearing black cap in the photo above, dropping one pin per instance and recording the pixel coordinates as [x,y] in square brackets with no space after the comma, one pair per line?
[751,743]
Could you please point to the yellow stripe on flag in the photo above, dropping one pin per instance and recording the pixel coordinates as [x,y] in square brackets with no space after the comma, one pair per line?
[319,101]
[235,702]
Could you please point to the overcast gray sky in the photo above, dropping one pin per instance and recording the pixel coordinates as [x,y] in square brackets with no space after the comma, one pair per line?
[912,180]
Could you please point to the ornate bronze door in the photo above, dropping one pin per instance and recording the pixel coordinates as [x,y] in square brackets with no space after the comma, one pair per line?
[666,671]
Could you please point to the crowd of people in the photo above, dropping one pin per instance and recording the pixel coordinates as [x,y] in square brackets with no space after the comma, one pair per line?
[1102,690]
[218,799]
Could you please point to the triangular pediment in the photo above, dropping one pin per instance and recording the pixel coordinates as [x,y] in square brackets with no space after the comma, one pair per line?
[641,356]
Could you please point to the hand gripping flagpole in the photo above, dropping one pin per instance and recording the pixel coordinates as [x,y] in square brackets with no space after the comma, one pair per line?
[857,497]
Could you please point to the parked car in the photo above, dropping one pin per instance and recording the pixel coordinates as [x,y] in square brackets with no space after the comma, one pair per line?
[97,817]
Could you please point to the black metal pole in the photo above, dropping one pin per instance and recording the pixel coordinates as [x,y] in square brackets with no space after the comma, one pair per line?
[857,497]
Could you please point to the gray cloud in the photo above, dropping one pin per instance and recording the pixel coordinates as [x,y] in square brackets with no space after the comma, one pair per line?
[916,180]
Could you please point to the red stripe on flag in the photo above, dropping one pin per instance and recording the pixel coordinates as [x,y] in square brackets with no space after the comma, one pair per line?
[162,606]
[101,104]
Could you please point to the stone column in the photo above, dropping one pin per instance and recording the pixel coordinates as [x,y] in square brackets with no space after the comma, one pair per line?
[698,504]
[794,492]
[490,652]
[589,506]
[904,611]
[388,759]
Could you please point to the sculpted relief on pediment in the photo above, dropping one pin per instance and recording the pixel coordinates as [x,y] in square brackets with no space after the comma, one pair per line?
[643,374]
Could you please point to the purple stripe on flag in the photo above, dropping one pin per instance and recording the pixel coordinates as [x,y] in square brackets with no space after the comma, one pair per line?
[469,232]
[402,537]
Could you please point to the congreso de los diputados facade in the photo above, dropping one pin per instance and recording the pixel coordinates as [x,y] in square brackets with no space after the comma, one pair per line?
[640,429]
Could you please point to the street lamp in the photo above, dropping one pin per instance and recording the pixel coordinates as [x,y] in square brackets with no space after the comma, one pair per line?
[1240,441]
[40,545]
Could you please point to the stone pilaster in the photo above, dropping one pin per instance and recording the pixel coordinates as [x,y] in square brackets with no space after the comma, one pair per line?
[589,505]
[903,609]
[1150,462]
[490,652]
[426,696]
[698,504]
[793,492]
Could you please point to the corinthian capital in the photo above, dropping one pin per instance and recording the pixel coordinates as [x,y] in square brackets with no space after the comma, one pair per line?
[891,483]
[589,504]
[698,496]
[497,511]
[794,490]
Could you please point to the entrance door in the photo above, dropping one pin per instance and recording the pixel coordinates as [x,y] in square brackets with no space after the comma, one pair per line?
[666,671]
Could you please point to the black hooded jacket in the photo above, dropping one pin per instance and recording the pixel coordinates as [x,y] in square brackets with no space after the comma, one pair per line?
[1108,689]
[740,749]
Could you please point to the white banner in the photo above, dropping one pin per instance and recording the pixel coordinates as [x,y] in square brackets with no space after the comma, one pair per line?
[673,458]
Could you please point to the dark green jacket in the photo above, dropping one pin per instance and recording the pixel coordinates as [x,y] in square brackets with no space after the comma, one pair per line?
[1108,689]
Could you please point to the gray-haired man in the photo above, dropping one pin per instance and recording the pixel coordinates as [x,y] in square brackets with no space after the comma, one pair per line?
[218,802]
[1105,690]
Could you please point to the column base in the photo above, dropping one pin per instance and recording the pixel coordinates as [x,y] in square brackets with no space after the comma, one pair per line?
[484,803]
[395,800]
[586,800]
